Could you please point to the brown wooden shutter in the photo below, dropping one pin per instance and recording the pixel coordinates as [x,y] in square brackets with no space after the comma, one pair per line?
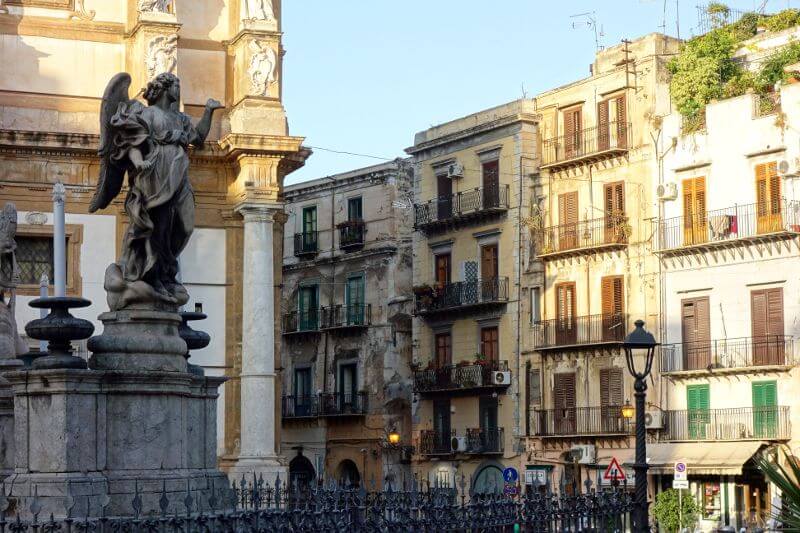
[490,344]
[612,299]
[767,326]
[568,220]
[696,331]
[564,391]
[611,387]
[565,301]
[622,122]
[603,132]
[572,132]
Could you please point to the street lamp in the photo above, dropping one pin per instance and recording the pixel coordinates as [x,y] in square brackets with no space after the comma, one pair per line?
[640,344]
[393,438]
[627,410]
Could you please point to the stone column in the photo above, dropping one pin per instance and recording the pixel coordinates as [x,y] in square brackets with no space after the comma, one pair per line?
[257,440]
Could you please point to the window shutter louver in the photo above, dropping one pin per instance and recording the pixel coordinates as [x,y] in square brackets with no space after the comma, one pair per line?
[603,132]
[768,197]
[622,124]
[694,210]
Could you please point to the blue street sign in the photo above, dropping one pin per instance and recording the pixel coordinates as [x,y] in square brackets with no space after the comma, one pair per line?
[510,475]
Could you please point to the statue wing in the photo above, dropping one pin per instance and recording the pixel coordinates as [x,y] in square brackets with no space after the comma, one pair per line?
[112,174]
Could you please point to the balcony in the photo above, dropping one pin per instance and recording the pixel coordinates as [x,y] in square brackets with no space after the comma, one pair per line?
[337,404]
[302,322]
[728,355]
[460,296]
[580,332]
[586,146]
[298,407]
[306,244]
[596,235]
[462,379]
[351,235]
[475,441]
[353,317]
[581,421]
[727,227]
[741,423]
[461,208]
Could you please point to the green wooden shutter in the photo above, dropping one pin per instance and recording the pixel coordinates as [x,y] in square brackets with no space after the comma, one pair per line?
[765,409]
[354,209]
[355,300]
[697,405]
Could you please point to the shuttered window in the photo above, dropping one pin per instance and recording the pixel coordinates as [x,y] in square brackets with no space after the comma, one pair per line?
[564,413]
[444,355]
[565,301]
[491,184]
[534,387]
[768,198]
[696,331]
[611,387]
[697,405]
[614,207]
[765,412]
[622,122]
[766,312]
[603,132]
[572,132]
[442,269]
[568,220]
[612,299]
[694,211]
[490,344]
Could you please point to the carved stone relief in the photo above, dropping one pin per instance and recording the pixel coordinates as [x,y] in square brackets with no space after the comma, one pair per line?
[162,55]
[155,6]
[263,68]
[258,10]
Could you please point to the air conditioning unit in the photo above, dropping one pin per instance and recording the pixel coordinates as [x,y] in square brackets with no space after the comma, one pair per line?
[785,168]
[653,419]
[458,444]
[667,191]
[586,454]
[455,170]
[500,377]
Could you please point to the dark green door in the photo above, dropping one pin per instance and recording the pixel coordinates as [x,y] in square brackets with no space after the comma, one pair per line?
[302,392]
[310,229]
[697,411]
[354,209]
[308,301]
[355,300]
[765,409]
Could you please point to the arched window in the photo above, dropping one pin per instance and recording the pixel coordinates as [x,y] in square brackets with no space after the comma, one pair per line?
[347,474]
[301,472]
[489,480]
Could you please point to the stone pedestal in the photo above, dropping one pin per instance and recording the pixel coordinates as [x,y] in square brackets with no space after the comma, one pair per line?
[7,418]
[93,439]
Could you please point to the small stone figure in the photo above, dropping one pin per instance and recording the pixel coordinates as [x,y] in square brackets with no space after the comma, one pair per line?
[11,344]
[150,6]
[259,10]
[151,144]
[262,68]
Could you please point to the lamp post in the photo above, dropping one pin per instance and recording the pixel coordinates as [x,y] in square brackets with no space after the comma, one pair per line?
[640,344]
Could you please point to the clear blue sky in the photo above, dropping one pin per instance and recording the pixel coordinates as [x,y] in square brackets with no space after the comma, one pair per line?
[365,75]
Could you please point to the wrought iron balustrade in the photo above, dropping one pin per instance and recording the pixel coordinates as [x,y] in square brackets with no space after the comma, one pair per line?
[347,316]
[723,226]
[306,243]
[721,354]
[610,231]
[351,234]
[307,320]
[462,294]
[739,423]
[587,143]
[461,205]
[485,441]
[576,421]
[459,377]
[300,406]
[433,442]
[580,331]
[343,404]
[473,441]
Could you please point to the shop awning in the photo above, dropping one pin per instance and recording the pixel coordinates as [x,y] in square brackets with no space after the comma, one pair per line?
[702,458]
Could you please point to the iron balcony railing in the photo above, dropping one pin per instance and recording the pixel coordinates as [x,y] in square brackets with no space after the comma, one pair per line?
[722,226]
[461,377]
[580,331]
[475,441]
[612,230]
[740,423]
[605,420]
[587,143]
[300,406]
[472,203]
[744,352]
[343,404]
[347,316]
[306,320]
[351,234]
[306,243]
[461,294]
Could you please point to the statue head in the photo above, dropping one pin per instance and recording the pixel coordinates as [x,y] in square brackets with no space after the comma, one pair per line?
[165,83]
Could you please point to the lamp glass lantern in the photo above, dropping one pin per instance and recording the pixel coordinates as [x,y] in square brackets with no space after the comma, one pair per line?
[627,411]
[640,344]
[393,438]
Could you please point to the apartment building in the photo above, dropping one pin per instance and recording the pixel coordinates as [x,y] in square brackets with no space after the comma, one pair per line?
[472,178]
[346,326]
[593,274]
[727,240]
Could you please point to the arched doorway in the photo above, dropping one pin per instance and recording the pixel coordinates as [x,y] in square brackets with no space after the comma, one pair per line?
[347,474]
[301,472]
[488,480]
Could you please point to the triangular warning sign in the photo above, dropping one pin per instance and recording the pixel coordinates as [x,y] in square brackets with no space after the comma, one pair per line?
[614,472]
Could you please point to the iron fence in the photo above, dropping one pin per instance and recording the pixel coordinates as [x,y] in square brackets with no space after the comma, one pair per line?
[453,206]
[407,506]
[587,142]
[729,224]
[461,294]
[610,230]
[605,420]
[580,330]
[741,423]
[744,352]
[306,243]
[459,377]
[300,321]
[351,234]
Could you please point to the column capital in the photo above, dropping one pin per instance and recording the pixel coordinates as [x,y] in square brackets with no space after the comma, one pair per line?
[255,212]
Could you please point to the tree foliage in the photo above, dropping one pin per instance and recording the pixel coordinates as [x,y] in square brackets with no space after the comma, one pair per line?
[786,479]
[665,509]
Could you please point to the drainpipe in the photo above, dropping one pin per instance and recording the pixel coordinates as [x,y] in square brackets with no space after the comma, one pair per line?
[332,283]
[518,355]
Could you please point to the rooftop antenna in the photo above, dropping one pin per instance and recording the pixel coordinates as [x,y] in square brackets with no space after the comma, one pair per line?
[589,20]
[762,7]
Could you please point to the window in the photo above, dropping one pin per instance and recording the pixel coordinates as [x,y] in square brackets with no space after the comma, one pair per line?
[694,211]
[564,413]
[308,308]
[441,425]
[354,296]
[354,209]
[534,387]
[536,305]
[490,344]
[697,411]
[768,198]
[491,184]
[696,331]
[444,355]
[573,124]
[444,201]
[302,391]
[309,230]
[566,329]
[442,269]
[348,384]
[34,258]
[766,316]
[613,304]
[765,409]
[614,205]
[611,398]
[568,220]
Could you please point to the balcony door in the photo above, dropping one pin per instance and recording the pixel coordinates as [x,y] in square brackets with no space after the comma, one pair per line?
[768,198]
[348,387]
[698,416]
[694,211]
[441,425]
[568,220]
[489,273]
[766,316]
[565,326]
[614,205]
[354,296]
[765,410]
[354,209]
[491,184]
[445,295]
[309,228]
[573,133]
[489,432]
[611,400]
[444,200]
[612,297]
[564,411]
[696,331]
[444,359]
[302,392]
[490,345]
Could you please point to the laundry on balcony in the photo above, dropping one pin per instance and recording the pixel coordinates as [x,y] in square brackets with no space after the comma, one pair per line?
[722,226]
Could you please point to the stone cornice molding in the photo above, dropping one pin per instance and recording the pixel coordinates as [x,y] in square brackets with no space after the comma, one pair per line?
[254,212]
[255,34]
[157,25]
[235,144]
[84,30]
[519,118]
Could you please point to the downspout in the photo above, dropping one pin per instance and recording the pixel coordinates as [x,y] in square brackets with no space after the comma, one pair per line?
[332,292]
[519,298]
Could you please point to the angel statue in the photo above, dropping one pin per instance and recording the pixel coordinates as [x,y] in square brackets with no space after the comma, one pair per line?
[151,144]
[11,344]
[259,10]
